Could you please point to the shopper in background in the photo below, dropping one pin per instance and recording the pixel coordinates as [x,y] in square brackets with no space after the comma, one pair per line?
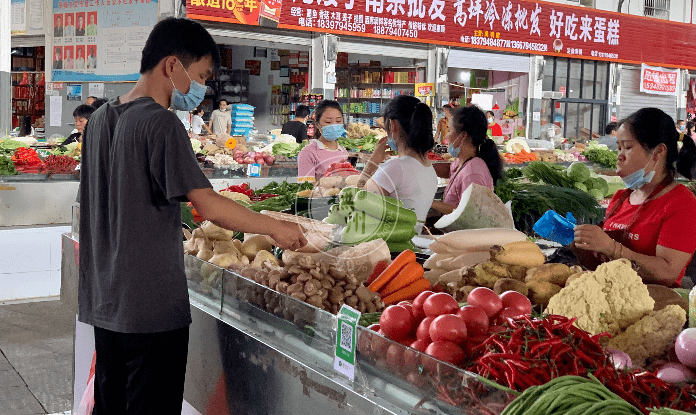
[69,29]
[651,222]
[494,130]
[477,158]
[197,123]
[681,126]
[691,129]
[81,115]
[220,120]
[137,167]
[411,176]
[609,137]
[90,100]
[98,102]
[323,150]
[298,127]
[442,130]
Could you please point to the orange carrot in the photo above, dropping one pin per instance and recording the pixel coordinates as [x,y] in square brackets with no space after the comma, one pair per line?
[399,262]
[407,276]
[408,293]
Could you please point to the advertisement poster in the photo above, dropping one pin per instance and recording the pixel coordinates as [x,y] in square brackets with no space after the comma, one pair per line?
[658,81]
[17,17]
[425,90]
[74,92]
[100,40]
[519,26]
[253,66]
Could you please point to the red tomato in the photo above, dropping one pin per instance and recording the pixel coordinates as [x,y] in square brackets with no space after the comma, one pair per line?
[396,322]
[420,345]
[506,313]
[365,342]
[379,345]
[439,304]
[407,341]
[446,351]
[417,305]
[373,327]
[486,299]
[407,306]
[448,327]
[513,299]
[395,357]
[411,359]
[423,331]
[476,320]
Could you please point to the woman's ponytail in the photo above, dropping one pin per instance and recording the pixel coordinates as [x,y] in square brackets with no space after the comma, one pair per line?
[488,152]
[415,119]
[420,136]
[686,161]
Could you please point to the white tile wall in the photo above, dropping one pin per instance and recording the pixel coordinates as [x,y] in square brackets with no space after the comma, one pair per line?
[30,262]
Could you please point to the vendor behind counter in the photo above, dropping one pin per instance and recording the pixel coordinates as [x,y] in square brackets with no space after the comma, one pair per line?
[323,151]
[652,222]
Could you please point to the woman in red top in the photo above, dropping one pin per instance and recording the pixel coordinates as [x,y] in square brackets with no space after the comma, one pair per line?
[652,222]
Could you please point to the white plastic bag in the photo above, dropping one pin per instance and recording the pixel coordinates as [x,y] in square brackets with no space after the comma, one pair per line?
[478,208]
[87,402]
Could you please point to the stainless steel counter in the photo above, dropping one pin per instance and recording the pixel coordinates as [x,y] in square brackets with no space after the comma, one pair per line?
[244,359]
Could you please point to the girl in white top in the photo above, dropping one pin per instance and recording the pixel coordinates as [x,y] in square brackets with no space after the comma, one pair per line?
[197,123]
[411,177]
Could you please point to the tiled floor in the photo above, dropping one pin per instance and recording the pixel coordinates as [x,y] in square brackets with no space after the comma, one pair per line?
[35,358]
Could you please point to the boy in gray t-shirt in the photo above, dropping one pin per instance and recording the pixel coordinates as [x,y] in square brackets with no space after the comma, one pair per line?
[137,166]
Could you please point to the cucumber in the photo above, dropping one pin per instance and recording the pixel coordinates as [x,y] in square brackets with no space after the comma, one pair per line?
[358,231]
[383,208]
[362,217]
[347,194]
[335,217]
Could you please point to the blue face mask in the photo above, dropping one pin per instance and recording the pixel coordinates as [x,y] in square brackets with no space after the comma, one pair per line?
[333,132]
[454,152]
[638,179]
[392,144]
[190,100]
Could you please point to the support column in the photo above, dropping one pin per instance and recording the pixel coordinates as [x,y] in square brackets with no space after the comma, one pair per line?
[5,67]
[536,76]
[323,69]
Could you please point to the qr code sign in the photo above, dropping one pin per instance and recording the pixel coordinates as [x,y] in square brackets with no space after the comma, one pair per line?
[346,336]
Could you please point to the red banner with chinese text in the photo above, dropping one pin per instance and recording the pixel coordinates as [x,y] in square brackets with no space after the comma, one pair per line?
[234,11]
[538,28]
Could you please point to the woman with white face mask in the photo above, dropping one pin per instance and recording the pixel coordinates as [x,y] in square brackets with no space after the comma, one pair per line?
[651,222]
[411,177]
[477,158]
[323,151]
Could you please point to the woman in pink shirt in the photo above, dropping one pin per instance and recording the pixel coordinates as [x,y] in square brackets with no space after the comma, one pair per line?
[323,150]
[477,158]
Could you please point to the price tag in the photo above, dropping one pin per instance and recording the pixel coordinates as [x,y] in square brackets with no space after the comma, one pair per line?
[344,360]
[43,153]
[254,170]
[77,168]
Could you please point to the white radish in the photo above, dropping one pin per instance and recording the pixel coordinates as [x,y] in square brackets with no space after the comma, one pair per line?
[478,239]
[431,262]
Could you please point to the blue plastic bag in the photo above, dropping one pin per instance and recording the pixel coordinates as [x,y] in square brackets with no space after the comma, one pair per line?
[556,228]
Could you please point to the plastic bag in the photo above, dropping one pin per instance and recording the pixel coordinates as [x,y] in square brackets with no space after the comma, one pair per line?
[87,402]
[478,208]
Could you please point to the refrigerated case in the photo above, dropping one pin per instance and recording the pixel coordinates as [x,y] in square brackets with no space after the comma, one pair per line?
[253,350]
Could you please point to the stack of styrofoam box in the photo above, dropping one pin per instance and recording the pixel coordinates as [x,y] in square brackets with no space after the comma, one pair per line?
[242,119]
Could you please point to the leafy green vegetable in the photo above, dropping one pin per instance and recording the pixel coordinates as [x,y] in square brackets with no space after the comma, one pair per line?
[540,171]
[288,149]
[513,173]
[187,215]
[366,143]
[287,193]
[578,172]
[7,167]
[11,144]
[531,201]
[602,156]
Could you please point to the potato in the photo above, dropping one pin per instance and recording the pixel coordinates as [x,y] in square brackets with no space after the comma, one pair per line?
[332,192]
[553,273]
[508,284]
[331,181]
[665,296]
[540,292]
[352,180]
[305,193]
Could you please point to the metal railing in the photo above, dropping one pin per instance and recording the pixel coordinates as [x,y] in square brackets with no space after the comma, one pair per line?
[658,9]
